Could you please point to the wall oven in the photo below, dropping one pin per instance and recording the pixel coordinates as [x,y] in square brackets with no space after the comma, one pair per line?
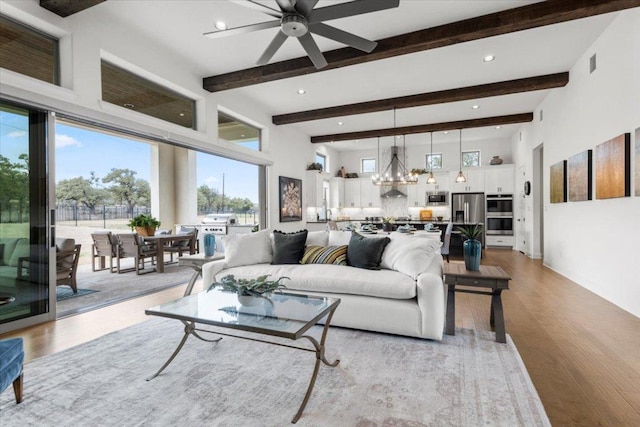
[499,214]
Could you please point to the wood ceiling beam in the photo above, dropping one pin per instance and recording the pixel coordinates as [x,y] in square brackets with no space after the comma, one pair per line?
[433,127]
[528,84]
[494,24]
[65,8]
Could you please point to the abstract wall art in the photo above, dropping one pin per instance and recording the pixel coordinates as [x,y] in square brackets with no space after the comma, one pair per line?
[613,168]
[290,199]
[579,177]
[558,182]
[637,156]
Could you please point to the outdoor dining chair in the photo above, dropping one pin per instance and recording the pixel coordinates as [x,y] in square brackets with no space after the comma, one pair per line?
[105,244]
[131,246]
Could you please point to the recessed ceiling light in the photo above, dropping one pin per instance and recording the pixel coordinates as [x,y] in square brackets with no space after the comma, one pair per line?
[242,135]
[340,123]
[221,25]
[446,132]
[475,107]
[497,127]
[488,58]
[301,91]
[181,114]
[130,106]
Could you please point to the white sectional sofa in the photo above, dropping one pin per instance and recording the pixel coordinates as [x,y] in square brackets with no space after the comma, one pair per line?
[405,297]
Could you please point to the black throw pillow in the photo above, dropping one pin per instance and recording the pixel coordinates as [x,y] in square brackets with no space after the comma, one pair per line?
[288,247]
[366,252]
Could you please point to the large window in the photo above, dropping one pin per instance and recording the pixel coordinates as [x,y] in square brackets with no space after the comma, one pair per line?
[28,51]
[234,131]
[123,88]
[470,158]
[322,159]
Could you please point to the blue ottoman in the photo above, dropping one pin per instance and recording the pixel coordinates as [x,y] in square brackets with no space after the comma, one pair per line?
[11,358]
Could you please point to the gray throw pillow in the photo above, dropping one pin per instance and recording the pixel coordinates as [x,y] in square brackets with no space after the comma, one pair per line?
[366,252]
[288,247]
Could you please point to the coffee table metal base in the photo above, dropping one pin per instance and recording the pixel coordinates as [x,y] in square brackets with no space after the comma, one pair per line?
[319,349]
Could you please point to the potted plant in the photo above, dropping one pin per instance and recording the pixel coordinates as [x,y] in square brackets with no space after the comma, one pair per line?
[144,225]
[472,249]
[248,288]
[314,167]
[387,223]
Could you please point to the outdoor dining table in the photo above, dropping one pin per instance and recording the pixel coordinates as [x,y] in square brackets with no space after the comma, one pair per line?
[160,241]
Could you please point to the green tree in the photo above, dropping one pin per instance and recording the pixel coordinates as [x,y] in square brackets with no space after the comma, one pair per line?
[82,190]
[126,189]
[208,199]
[14,183]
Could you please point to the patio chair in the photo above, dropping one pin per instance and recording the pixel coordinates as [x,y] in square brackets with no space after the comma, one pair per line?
[183,246]
[104,245]
[67,255]
[131,246]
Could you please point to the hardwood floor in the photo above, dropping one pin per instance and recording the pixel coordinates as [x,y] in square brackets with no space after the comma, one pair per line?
[582,352]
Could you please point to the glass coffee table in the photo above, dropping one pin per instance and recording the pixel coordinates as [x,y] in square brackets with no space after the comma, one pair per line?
[280,315]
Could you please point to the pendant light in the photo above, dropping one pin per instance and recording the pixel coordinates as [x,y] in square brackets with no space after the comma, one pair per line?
[431,179]
[461,177]
[395,173]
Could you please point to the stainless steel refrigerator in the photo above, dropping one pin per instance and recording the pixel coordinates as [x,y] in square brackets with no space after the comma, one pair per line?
[467,208]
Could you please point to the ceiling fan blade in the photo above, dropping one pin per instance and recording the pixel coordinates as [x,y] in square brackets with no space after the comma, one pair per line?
[343,37]
[286,5]
[312,49]
[352,8]
[272,48]
[241,30]
[304,7]
[251,4]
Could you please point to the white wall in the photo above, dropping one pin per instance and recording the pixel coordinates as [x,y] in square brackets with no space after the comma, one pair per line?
[594,243]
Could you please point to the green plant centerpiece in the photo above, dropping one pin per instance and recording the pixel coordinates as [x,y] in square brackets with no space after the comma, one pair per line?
[248,288]
[387,223]
[144,225]
[472,248]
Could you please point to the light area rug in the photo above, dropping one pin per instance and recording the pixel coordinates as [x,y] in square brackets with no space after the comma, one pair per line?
[382,380]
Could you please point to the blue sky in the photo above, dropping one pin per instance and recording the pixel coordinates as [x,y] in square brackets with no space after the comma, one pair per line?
[80,151]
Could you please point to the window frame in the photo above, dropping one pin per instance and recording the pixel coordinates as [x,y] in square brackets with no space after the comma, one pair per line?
[375,164]
[428,155]
[234,118]
[471,152]
[322,159]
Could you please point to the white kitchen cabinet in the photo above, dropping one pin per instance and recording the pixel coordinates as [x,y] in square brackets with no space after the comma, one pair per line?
[351,193]
[499,241]
[337,193]
[474,184]
[369,194]
[442,183]
[416,194]
[499,179]
[314,191]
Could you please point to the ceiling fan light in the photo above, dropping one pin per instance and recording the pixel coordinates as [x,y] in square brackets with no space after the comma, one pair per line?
[221,25]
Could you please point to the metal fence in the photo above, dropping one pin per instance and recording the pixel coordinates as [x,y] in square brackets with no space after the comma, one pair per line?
[75,213]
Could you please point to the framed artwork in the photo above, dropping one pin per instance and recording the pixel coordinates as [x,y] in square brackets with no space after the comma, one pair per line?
[558,182]
[637,150]
[613,168]
[579,177]
[290,199]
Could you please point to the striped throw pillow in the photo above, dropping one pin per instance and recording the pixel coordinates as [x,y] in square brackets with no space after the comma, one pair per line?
[325,255]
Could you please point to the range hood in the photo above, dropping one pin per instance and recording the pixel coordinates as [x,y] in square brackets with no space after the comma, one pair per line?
[394,166]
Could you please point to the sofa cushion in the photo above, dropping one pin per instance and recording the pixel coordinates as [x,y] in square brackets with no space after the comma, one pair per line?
[325,255]
[364,252]
[410,255]
[338,237]
[331,278]
[246,249]
[288,248]
[317,238]
[22,250]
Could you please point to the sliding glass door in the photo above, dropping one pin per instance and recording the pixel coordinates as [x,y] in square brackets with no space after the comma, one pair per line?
[24,231]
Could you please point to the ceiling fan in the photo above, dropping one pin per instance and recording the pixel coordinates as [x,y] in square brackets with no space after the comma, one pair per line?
[298,18]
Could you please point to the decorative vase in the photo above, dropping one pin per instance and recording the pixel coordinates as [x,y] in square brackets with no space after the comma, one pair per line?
[472,250]
[496,160]
[146,231]
[250,300]
[209,244]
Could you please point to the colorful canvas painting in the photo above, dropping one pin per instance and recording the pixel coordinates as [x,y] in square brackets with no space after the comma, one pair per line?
[613,168]
[579,176]
[558,181]
[637,157]
[290,199]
